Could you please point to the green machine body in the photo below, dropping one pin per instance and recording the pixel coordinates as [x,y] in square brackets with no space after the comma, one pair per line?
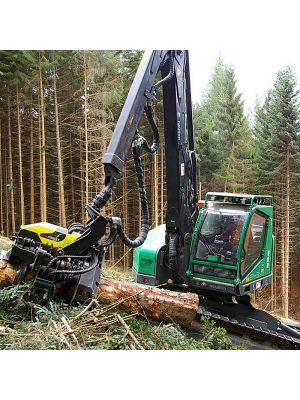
[230,252]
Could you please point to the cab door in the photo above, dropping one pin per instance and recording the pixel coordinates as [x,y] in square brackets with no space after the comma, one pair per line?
[254,244]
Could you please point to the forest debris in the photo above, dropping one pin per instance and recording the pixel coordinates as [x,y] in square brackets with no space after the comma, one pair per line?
[69,330]
[59,335]
[155,303]
[129,332]
[93,301]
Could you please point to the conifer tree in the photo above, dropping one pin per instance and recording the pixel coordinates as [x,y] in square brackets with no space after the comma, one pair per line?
[223,134]
[277,148]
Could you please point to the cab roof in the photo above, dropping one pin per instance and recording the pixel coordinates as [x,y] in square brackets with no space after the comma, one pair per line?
[239,198]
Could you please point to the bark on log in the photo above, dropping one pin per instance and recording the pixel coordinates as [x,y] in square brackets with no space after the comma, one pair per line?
[161,304]
[155,303]
[7,274]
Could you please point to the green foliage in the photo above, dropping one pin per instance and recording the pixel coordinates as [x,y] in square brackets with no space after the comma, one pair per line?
[223,135]
[216,338]
[27,322]
[277,128]
[277,144]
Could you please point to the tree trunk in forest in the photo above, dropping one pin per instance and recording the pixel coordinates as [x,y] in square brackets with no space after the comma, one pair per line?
[22,205]
[43,146]
[31,166]
[287,242]
[61,190]
[155,190]
[162,211]
[125,215]
[1,184]
[6,164]
[10,170]
[274,284]
[82,187]
[282,248]
[72,177]
[228,168]
[86,134]
[40,166]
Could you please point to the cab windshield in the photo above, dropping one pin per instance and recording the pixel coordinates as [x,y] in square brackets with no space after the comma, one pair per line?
[220,232]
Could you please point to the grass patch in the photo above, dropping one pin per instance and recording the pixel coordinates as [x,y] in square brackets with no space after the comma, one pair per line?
[5,243]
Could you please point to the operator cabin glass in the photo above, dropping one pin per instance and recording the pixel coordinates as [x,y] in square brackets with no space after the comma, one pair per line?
[254,241]
[220,232]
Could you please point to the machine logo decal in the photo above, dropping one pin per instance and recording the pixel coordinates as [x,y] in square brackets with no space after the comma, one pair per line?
[55,236]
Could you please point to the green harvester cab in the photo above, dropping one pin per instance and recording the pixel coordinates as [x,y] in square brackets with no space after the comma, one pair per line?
[230,251]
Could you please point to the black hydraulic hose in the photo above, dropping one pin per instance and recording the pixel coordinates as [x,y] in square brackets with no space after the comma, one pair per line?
[170,74]
[144,205]
[69,271]
[110,239]
[49,265]
[154,147]
[57,258]
[72,272]
[102,198]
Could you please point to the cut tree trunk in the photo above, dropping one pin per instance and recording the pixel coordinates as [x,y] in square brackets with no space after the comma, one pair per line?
[152,302]
[7,274]
[161,304]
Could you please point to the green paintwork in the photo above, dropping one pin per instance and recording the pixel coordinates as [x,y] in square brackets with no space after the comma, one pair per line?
[262,267]
[144,256]
[144,259]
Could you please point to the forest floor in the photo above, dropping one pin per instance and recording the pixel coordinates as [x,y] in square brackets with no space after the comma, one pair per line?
[28,322]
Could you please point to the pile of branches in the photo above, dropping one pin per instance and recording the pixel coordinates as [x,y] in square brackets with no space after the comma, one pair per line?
[25,323]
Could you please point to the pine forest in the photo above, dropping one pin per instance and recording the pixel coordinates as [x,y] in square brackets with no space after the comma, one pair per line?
[58,110]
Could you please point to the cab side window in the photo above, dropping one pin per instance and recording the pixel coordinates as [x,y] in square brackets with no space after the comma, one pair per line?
[254,241]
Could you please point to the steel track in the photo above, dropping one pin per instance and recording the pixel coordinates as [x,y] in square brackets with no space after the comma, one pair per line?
[245,324]
[248,322]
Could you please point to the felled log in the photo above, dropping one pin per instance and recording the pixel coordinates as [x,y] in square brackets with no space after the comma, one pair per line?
[7,274]
[155,303]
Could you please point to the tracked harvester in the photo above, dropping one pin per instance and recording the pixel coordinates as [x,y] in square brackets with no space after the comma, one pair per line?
[221,248]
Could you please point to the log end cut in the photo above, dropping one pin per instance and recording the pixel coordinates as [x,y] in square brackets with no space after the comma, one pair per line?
[7,274]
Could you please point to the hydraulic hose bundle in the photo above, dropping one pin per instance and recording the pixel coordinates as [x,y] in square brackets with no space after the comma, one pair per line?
[139,143]
[136,151]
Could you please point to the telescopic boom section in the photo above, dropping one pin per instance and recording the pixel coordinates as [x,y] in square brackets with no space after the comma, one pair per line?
[140,92]
[179,142]
[180,165]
